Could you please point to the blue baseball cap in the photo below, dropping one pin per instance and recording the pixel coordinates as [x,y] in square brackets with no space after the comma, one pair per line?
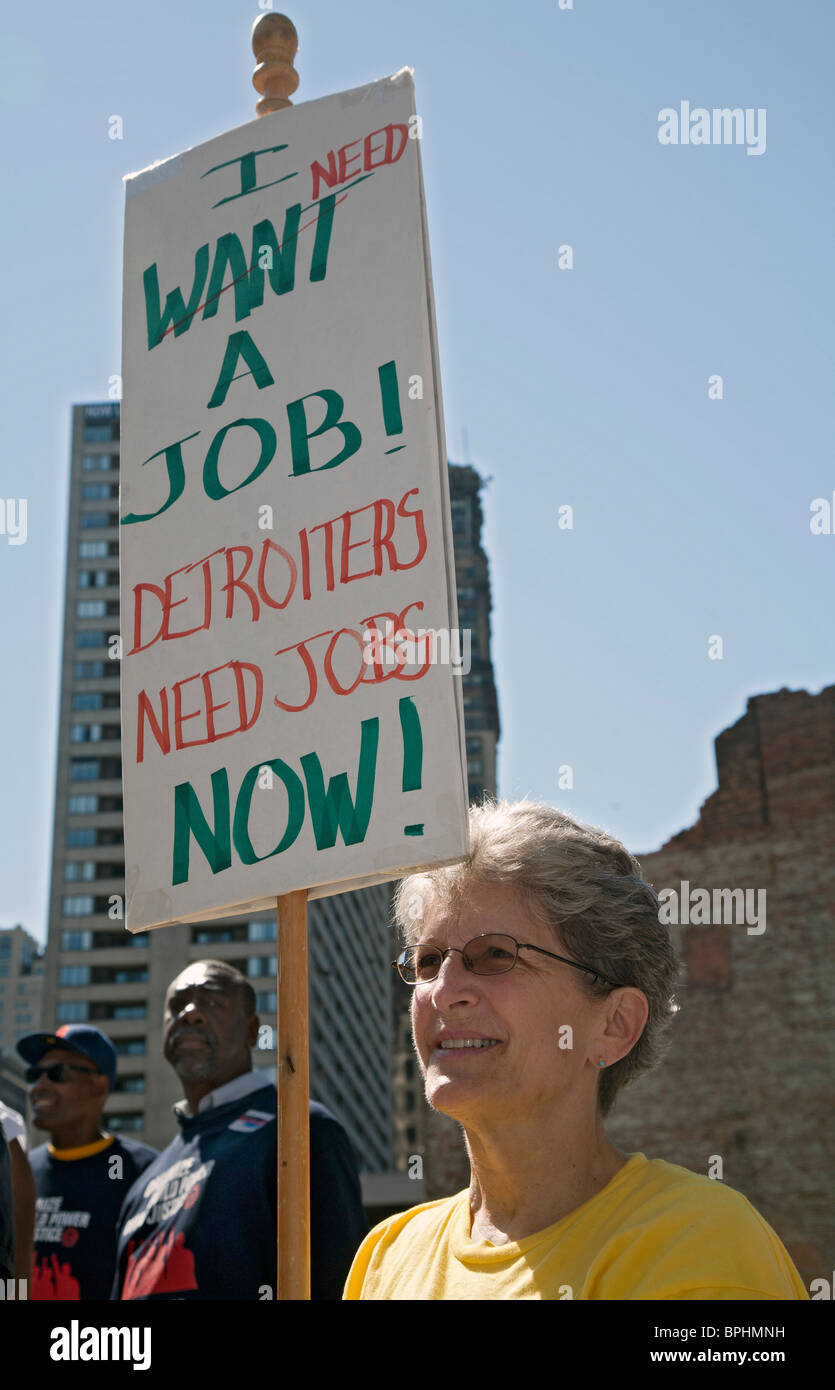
[75,1037]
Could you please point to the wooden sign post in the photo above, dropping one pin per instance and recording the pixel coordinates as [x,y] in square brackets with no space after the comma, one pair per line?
[293,1082]
[274,43]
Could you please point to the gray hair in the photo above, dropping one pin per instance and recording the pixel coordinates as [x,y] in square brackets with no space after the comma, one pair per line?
[588,889]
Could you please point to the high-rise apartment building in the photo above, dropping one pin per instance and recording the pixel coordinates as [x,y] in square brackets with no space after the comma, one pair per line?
[96,971]
[21,985]
[418,1130]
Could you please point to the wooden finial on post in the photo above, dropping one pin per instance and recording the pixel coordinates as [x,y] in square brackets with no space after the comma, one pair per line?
[274,43]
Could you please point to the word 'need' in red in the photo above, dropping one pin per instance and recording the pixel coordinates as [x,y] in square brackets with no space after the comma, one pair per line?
[342,165]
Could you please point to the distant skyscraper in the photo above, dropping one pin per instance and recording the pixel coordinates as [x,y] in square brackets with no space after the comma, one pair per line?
[418,1130]
[21,985]
[95,970]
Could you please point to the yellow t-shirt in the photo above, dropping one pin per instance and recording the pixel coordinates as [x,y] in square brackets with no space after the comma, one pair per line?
[654,1231]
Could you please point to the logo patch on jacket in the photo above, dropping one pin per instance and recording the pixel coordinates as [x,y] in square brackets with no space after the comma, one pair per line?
[250,1121]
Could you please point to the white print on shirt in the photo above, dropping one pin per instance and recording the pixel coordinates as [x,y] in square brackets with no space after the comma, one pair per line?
[51,1221]
[166,1192]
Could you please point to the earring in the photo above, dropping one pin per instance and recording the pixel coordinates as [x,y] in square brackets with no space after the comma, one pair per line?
[601,1063]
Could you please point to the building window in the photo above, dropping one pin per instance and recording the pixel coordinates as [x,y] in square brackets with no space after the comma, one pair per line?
[137,976]
[98,463]
[129,1083]
[79,869]
[96,492]
[93,550]
[97,579]
[83,805]
[88,670]
[207,936]
[76,940]
[76,1012]
[266,1003]
[85,733]
[129,1011]
[262,931]
[90,639]
[90,520]
[81,837]
[130,1047]
[87,699]
[111,836]
[461,520]
[91,608]
[82,770]
[80,906]
[118,1123]
[74,975]
[475,767]
[260,965]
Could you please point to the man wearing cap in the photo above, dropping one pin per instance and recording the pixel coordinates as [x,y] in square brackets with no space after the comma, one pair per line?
[83,1173]
[201,1222]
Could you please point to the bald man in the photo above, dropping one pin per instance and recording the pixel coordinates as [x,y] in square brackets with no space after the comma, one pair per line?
[201,1221]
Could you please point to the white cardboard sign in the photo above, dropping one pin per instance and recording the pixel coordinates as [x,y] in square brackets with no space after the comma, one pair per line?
[285,532]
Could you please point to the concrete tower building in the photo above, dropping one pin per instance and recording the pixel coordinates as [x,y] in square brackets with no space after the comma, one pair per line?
[97,972]
[21,985]
[419,1131]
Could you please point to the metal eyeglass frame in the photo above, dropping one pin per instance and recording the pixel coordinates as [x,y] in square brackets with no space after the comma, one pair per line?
[519,945]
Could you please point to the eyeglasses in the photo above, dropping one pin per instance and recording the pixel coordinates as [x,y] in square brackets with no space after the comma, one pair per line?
[492,954]
[59,1072]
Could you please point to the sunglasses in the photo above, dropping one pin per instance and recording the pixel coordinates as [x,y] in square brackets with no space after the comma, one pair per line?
[58,1073]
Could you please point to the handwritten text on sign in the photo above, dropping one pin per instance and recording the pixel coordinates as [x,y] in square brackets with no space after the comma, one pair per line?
[283,501]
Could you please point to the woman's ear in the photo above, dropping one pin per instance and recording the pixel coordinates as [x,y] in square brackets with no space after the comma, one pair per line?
[625,1022]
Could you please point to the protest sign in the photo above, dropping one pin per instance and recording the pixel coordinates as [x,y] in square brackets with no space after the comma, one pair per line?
[285,530]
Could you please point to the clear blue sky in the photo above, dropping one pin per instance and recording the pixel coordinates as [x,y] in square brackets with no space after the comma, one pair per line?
[585,387]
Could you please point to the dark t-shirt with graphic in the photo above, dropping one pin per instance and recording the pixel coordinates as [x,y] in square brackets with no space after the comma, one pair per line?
[201,1221]
[76,1217]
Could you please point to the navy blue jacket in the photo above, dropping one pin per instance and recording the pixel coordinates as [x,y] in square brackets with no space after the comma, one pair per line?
[201,1221]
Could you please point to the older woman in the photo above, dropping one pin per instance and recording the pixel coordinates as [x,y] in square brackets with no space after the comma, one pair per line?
[543,983]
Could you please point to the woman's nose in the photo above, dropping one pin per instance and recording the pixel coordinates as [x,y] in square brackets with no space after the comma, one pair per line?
[454,975]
